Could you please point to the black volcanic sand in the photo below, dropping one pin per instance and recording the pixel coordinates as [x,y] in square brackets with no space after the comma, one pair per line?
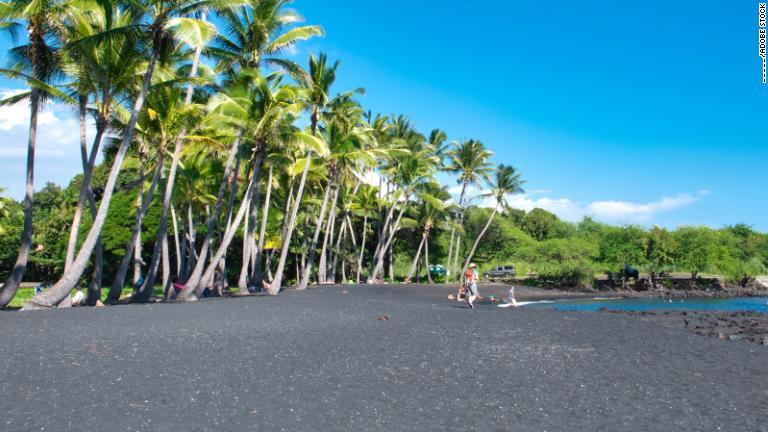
[369,358]
[744,326]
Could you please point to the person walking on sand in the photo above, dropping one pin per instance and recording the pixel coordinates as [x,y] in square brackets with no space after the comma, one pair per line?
[470,284]
[511,298]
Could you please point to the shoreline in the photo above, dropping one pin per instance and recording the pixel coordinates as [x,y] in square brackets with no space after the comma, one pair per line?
[530,293]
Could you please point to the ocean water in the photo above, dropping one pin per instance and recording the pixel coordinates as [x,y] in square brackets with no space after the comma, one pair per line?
[754,304]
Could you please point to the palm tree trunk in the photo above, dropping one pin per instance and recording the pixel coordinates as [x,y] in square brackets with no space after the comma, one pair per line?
[192,245]
[119,281]
[137,261]
[337,248]
[166,259]
[307,270]
[454,269]
[415,263]
[448,262]
[248,244]
[477,240]
[391,257]
[362,249]
[249,228]
[195,278]
[13,281]
[258,274]
[86,192]
[143,293]
[176,246]
[63,287]
[426,259]
[276,284]
[380,262]
[383,234]
[351,232]
[322,270]
[230,233]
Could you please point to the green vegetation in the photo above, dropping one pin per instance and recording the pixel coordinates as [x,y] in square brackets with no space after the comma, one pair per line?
[573,253]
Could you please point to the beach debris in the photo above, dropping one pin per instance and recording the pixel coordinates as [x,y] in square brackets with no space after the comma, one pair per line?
[762,282]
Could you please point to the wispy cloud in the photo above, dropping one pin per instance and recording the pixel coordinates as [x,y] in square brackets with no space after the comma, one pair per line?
[57,154]
[639,212]
[616,211]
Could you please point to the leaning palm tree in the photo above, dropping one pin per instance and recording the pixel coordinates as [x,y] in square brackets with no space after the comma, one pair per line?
[317,86]
[166,115]
[506,181]
[163,23]
[412,172]
[468,159]
[101,73]
[347,145]
[35,63]
[268,111]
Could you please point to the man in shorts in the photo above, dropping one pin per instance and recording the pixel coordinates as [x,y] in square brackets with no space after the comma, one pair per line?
[470,282]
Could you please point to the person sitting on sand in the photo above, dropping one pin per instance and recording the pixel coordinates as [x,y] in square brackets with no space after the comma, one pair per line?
[470,282]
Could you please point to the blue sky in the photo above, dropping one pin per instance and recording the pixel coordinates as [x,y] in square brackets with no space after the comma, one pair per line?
[633,112]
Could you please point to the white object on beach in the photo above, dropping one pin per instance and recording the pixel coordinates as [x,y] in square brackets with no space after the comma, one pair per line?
[78,298]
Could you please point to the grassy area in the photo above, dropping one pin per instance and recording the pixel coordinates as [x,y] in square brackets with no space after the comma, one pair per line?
[26,293]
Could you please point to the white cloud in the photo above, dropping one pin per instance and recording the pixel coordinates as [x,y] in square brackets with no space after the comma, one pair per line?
[638,212]
[57,153]
[615,211]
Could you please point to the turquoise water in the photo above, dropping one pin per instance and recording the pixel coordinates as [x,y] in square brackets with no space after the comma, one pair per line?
[755,304]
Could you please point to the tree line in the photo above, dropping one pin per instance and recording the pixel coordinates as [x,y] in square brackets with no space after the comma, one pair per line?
[216,143]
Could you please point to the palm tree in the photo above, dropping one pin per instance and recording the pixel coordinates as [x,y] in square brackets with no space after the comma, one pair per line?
[316,85]
[164,21]
[256,33]
[166,115]
[100,73]
[37,64]
[347,145]
[432,213]
[365,204]
[469,159]
[275,108]
[143,203]
[506,181]
[411,173]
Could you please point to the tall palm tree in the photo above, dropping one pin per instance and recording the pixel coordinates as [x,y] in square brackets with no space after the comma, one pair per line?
[468,159]
[412,172]
[347,145]
[275,107]
[365,204]
[317,86]
[163,23]
[37,64]
[165,117]
[506,181]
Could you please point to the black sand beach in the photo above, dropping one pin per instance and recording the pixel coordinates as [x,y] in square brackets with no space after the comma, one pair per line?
[370,358]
